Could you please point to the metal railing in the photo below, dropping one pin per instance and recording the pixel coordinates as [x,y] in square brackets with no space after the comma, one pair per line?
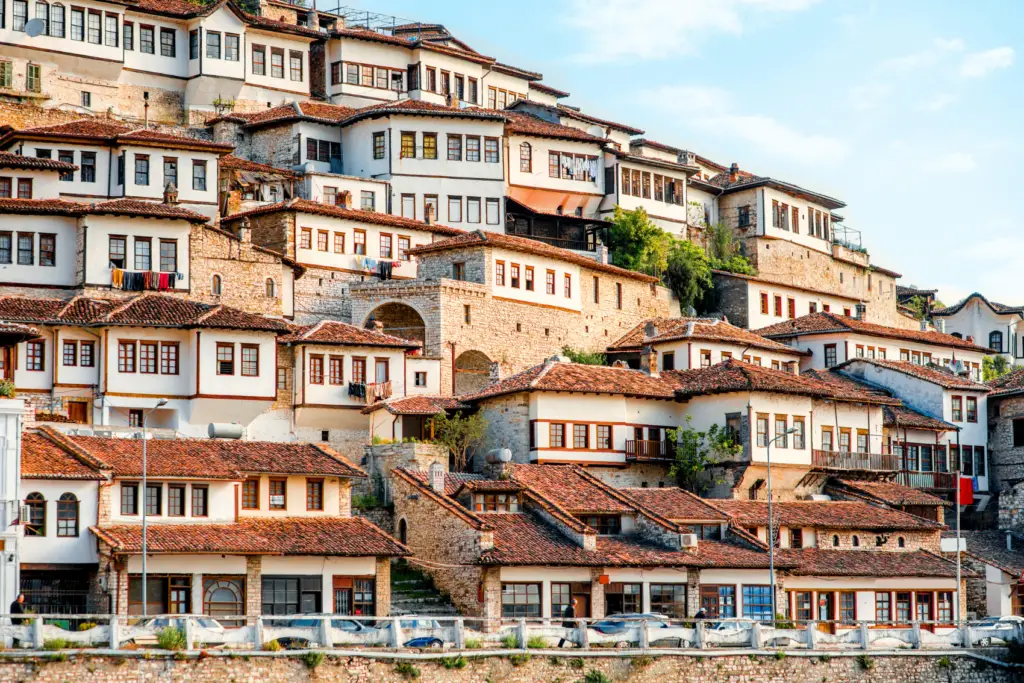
[647,449]
[416,633]
[564,243]
[852,460]
[926,480]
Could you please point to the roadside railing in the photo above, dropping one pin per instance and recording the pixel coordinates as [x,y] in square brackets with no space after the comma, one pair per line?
[327,632]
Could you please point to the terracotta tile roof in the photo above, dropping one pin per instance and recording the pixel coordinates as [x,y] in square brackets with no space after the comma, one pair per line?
[905,416]
[42,458]
[201,458]
[1010,383]
[655,162]
[990,547]
[676,504]
[183,9]
[521,123]
[320,536]
[83,128]
[42,207]
[489,485]
[832,514]
[516,71]
[322,111]
[372,217]
[143,209]
[332,332]
[733,375]
[841,380]
[513,204]
[943,378]
[15,333]
[451,485]
[480,238]
[8,160]
[567,487]
[373,36]
[110,132]
[156,138]
[587,118]
[822,562]
[747,181]
[829,323]
[417,405]
[275,26]
[672,329]
[422,108]
[643,142]
[596,379]
[995,307]
[886,492]
[235,163]
[545,88]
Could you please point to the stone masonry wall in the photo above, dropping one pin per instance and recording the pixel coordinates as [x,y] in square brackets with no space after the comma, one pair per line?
[508,426]
[438,535]
[382,458]
[1007,462]
[243,268]
[1011,508]
[794,668]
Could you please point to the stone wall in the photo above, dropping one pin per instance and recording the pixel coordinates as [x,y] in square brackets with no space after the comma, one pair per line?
[636,475]
[1005,461]
[508,426]
[382,458]
[243,267]
[283,668]
[1011,508]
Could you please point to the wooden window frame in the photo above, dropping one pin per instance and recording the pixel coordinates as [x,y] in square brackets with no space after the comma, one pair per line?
[251,481]
[315,482]
[284,492]
[218,361]
[242,360]
[316,368]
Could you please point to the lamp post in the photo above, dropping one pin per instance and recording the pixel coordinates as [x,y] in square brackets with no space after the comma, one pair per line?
[145,416]
[771,527]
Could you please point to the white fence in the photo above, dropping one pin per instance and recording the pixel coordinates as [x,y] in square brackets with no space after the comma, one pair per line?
[197,632]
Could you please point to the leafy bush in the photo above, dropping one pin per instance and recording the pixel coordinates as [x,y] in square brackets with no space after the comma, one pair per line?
[273,646]
[780,655]
[56,644]
[945,662]
[520,659]
[536,643]
[825,659]
[57,657]
[510,642]
[595,676]
[584,357]
[180,656]
[459,662]
[7,389]
[642,661]
[86,625]
[473,644]
[576,663]
[365,501]
[171,638]
[865,662]
[313,659]
[407,670]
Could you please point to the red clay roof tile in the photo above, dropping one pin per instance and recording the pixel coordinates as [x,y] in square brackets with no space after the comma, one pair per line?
[417,405]
[942,378]
[521,123]
[42,458]
[832,514]
[331,332]
[676,504]
[372,217]
[710,329]
[822,562]
[887,492]
[8,160]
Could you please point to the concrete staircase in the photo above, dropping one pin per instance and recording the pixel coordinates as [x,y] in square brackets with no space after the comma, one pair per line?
[413,592]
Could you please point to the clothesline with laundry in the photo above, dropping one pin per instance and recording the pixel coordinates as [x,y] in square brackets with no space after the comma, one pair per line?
[383,268]
[142,280]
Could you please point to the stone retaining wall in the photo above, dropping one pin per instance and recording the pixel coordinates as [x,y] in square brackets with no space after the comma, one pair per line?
[670,669]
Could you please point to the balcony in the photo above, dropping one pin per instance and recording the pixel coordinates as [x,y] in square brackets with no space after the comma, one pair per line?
[927,480]
[645,450]
[370,393]
[848,460]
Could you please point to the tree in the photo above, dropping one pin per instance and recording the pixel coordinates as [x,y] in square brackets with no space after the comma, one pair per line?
[724,251]
[584,357]
[994,367]
[636,243]
[696,452]
[688,273]
[459,434]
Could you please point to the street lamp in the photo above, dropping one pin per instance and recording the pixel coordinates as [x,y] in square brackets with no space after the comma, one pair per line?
[145,416]
[771,528]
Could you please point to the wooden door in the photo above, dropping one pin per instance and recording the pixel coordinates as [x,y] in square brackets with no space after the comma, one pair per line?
[582,605]
[826,611]
[78,412]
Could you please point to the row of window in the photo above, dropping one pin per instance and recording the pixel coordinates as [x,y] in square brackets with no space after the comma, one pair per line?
[785,217]
[570,166]
[957,408]
[23,185]
[424,146]
[33,75]
[148,357]
[790,306]
[278,494]
[147,34]
[527,280]
[907,355]
[523,600]
[142,251]
[891,607]
[928,458]
[26,247]
[218,45]
[170,171]
[322,150]
[259,62]
[91,26]
[179,500]
[468,209]
[369,76]
[386,249]
[67,515]
[782,425]
[638,184]
[336,369]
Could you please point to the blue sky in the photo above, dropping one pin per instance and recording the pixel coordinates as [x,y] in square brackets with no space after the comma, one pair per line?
[909,111]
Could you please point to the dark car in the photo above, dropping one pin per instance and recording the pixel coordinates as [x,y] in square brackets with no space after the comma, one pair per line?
[310,621]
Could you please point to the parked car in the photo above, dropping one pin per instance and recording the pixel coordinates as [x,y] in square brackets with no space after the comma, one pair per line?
[310,621]
[734,626]
[620,623]
[411,622]
[1005,625]
[214,639]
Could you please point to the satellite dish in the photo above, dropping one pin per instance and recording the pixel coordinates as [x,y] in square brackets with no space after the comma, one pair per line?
[35,27]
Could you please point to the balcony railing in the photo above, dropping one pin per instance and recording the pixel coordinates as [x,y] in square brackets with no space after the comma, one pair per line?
[645,449]
[574,245]
[927,480]
[848,460]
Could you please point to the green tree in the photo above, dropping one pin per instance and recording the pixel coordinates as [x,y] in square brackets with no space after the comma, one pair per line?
[994,367]
[724,251]
[636,243]
[584,357]
[460,434]
[696,452]
[688,273]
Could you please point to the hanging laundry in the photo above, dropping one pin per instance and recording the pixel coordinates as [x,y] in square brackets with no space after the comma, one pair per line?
[384,270]
[117,278]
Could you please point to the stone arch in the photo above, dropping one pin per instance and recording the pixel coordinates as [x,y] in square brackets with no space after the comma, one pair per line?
[472,371]
[400,320]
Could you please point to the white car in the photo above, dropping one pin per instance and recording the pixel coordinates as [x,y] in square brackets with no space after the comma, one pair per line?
[211,626]
[1006,625]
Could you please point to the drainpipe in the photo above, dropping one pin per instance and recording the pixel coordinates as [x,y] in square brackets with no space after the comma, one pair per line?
[53,369]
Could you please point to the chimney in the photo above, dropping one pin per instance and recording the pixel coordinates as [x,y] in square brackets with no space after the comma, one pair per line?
[969,339]
[941,324]
[245,231]
[861,311]
[428,218]
[649,361]
[437,477]
[734,172]
[650,330]
[378,326]
[170,194]
[924,325]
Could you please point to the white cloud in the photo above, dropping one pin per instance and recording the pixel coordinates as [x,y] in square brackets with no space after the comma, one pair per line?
[711,110]
[655,29]
[925,57]
[961,162]
[949,44]
[941,101]
[978,64]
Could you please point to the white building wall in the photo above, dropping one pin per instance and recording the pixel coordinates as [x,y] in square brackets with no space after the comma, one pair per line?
[51,549]
[328,394]
[66,45]
[64,271]
[538,177]
[75,189]
[220,504]
[348,261]
[154,189]
[157,63]
[803,300]
[687,354]
[288,43]
[540,266]
[100,229]
[364,53]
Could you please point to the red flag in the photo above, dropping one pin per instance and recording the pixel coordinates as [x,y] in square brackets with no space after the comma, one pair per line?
[965,495]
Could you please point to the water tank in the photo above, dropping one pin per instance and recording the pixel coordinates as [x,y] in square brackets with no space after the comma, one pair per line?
[499,456]
[225,430]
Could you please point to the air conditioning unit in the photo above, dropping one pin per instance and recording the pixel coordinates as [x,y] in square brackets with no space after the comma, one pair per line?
[688,540]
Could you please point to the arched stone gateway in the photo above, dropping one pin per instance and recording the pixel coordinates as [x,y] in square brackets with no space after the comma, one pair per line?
[472,371]
[400,320]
